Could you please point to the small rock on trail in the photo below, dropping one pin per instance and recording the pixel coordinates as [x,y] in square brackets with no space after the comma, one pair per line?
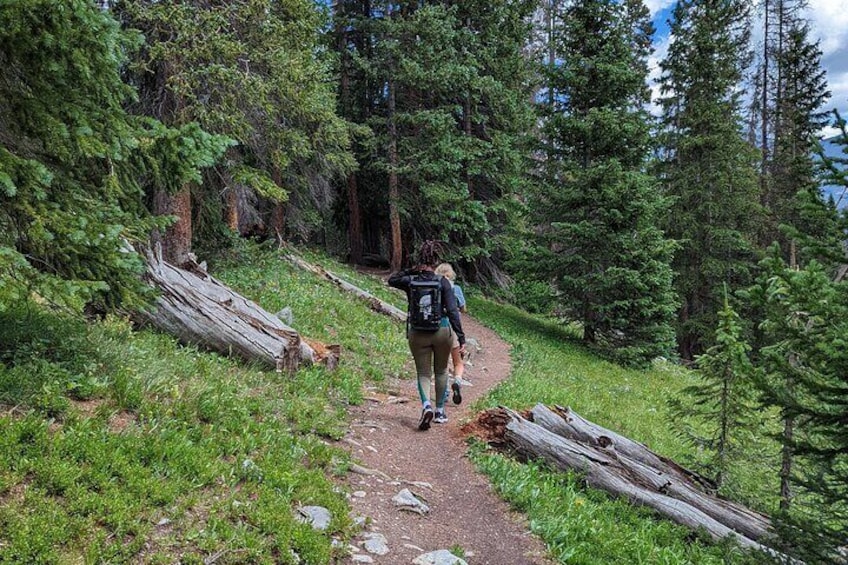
[464,512]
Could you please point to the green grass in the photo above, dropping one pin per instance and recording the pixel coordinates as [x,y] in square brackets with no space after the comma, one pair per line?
[121,446]
[581,526]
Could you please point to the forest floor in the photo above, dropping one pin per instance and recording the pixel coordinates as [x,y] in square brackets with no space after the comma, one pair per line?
[465,514]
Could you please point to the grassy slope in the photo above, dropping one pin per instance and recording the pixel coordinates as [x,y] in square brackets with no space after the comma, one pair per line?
[169,453]
[581,526]
[120,446]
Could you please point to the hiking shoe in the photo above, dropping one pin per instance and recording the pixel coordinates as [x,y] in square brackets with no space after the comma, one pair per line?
[457,395]
[441,417]
[426,418]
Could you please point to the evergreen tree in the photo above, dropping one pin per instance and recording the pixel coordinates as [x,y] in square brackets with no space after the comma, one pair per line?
[792,90]
[823,226]
[708,168]
[833,169]
[805,366]
[723,401]
[597,209]
[498,122]
[444,91]
[253,71]
[821,238]
[71,157]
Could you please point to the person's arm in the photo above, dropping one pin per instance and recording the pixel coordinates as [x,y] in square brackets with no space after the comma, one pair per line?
[401,279]
[460,297]
[449,301]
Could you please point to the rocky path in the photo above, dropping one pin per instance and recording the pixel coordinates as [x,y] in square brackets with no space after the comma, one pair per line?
[464,514]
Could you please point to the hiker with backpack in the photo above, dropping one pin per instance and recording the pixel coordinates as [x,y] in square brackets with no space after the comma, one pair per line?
[447,271]
[432,321]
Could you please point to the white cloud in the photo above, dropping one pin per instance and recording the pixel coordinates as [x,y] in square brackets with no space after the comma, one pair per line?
[657,5]
[838,85]
[830,24]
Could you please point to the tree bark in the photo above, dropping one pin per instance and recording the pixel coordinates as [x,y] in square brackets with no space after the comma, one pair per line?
[574,426]
[232,209]
[354,216]
[355,230]
[176,242]
[619,466]
[200,310]
[394,192]
[658,473]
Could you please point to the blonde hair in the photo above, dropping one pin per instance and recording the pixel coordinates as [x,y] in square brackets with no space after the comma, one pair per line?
[446,271]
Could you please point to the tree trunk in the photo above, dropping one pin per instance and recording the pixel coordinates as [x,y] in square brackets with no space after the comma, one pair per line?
[786,457]
[658,473]
[354,216]
[578,428]
[394,193]
[355,219]
[199,310]
[176,242]
[376,304]
[765,114]
[232,210]
[624,468]
[466,128]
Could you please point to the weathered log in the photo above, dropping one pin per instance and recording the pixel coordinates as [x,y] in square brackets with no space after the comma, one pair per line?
[663,478]
[605,471]
[375,303]
[576,427]
[199,310]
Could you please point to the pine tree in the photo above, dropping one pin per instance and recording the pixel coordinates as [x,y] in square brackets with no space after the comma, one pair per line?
[724,400]
[792,92]
[260,79]
[443,88]
[801,316]
[597,209]
[71,158]
[834,168]
[818,232]
[805,366]
[708,168]
[498,122]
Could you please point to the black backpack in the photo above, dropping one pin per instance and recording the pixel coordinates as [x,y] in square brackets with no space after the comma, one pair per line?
[425,303]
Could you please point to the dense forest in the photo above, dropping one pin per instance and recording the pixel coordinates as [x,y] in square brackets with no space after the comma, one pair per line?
[519,134]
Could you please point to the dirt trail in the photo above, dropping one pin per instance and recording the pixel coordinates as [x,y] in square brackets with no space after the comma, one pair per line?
[464,510]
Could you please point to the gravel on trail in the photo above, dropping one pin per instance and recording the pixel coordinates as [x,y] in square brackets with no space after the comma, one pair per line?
[462,510]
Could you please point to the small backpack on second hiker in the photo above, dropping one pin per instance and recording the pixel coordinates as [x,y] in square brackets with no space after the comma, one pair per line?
[425,303]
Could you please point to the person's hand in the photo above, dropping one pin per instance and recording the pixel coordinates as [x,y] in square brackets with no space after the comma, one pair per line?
[462,349]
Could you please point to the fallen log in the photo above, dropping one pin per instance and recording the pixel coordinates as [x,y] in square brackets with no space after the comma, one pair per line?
[574,426]
[605,470]
[375,303]
[200,310]
[665,477]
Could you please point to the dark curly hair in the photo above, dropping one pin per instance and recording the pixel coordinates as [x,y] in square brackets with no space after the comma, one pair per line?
[429,253]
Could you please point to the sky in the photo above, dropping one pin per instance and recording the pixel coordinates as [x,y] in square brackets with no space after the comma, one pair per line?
[829,25]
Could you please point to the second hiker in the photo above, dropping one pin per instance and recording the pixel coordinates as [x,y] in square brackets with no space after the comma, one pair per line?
[447,271]
[432,320]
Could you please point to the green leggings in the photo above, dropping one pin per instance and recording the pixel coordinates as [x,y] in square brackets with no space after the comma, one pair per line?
[431,350]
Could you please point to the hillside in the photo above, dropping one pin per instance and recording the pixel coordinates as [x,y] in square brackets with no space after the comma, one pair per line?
[121,446]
